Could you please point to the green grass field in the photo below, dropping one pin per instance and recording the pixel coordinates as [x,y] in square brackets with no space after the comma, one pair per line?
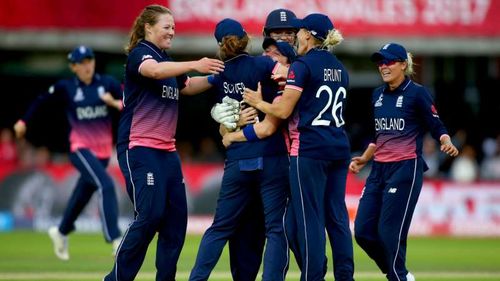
[28,256]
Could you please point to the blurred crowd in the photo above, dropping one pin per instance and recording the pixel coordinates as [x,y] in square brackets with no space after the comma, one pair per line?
[471,165]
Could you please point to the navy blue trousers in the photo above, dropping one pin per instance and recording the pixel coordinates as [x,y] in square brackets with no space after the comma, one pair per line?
[93,177]
[234,197]
[385,211]
[155,186]
[318,203]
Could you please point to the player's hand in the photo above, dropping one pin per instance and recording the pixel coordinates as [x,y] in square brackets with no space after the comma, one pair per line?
[448,147]
[208,65]
[253,97]
[226,113]
[357,163]
[20,129]
[108,99]
[249,115]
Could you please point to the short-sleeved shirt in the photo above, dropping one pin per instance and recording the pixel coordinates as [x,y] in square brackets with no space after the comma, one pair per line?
[401,118]
[89,117]
[317,123]
[150,112]
[245,71]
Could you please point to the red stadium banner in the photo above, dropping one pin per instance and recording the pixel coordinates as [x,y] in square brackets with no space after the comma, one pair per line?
[401,18]
[36,198]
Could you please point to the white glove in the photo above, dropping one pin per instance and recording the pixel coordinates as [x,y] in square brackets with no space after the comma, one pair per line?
[226,113]
[230,101]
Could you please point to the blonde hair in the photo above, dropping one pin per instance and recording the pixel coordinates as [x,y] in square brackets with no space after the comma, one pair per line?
[148,16]
[409,65]
[232,46]
[333,38]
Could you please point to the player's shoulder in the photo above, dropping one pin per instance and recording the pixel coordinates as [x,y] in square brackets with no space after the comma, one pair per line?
[416,88]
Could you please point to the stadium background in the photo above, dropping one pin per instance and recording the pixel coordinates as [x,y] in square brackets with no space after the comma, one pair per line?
[457,49]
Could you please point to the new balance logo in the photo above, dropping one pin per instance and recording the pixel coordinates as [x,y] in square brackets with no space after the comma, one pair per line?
[150,179]
[392,190]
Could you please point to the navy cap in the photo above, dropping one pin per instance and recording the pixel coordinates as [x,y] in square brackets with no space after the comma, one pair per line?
[228,27]
[284,47]
[80,53]
[391,51]
[279,18]
[318,24]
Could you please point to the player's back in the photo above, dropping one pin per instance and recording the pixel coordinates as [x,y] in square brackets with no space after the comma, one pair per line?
[319,113]
[245,71]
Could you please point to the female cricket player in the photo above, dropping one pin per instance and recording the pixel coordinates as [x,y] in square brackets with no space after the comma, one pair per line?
[87,97]
[146,145]
[403,113]
[313,98]
[261,165]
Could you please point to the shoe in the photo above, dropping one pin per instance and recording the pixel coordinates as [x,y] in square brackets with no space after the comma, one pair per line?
[410,277]
[116,244]
[60,243]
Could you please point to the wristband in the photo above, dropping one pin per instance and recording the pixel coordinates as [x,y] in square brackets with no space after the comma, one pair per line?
[210,79]
[249,133]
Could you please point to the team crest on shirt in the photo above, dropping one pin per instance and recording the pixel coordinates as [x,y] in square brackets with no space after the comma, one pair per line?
[79,95]
[399,102]
[378,103]
[150,179]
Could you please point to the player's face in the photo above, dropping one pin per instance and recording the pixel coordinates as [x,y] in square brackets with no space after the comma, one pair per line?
[275,54]
[391,71]
[283,34]
[162,33]
[302,38]
[84,70]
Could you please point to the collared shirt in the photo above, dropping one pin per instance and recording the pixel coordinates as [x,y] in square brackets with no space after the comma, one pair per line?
[401,118]
[317,124]
[150,112]
[88,116]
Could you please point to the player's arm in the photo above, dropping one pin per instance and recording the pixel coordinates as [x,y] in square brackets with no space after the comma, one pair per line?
[20,126]
[196,85]
[260,130]
[109,100]
[358,162]
[281,109]
[436,126]
[160,70]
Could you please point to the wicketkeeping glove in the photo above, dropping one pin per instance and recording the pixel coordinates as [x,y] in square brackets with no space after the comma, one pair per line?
[226,113]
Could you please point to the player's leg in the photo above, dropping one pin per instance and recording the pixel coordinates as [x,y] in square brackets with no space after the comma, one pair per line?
[275,192]
[400,198]
[93,172]
[172,231]
[337,221]
[368,215]
[145,183]
[233,198]
[246,245]
[307,182]
[78,200]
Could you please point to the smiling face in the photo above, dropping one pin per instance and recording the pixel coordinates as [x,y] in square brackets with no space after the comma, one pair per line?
[162,33]
[392,72]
